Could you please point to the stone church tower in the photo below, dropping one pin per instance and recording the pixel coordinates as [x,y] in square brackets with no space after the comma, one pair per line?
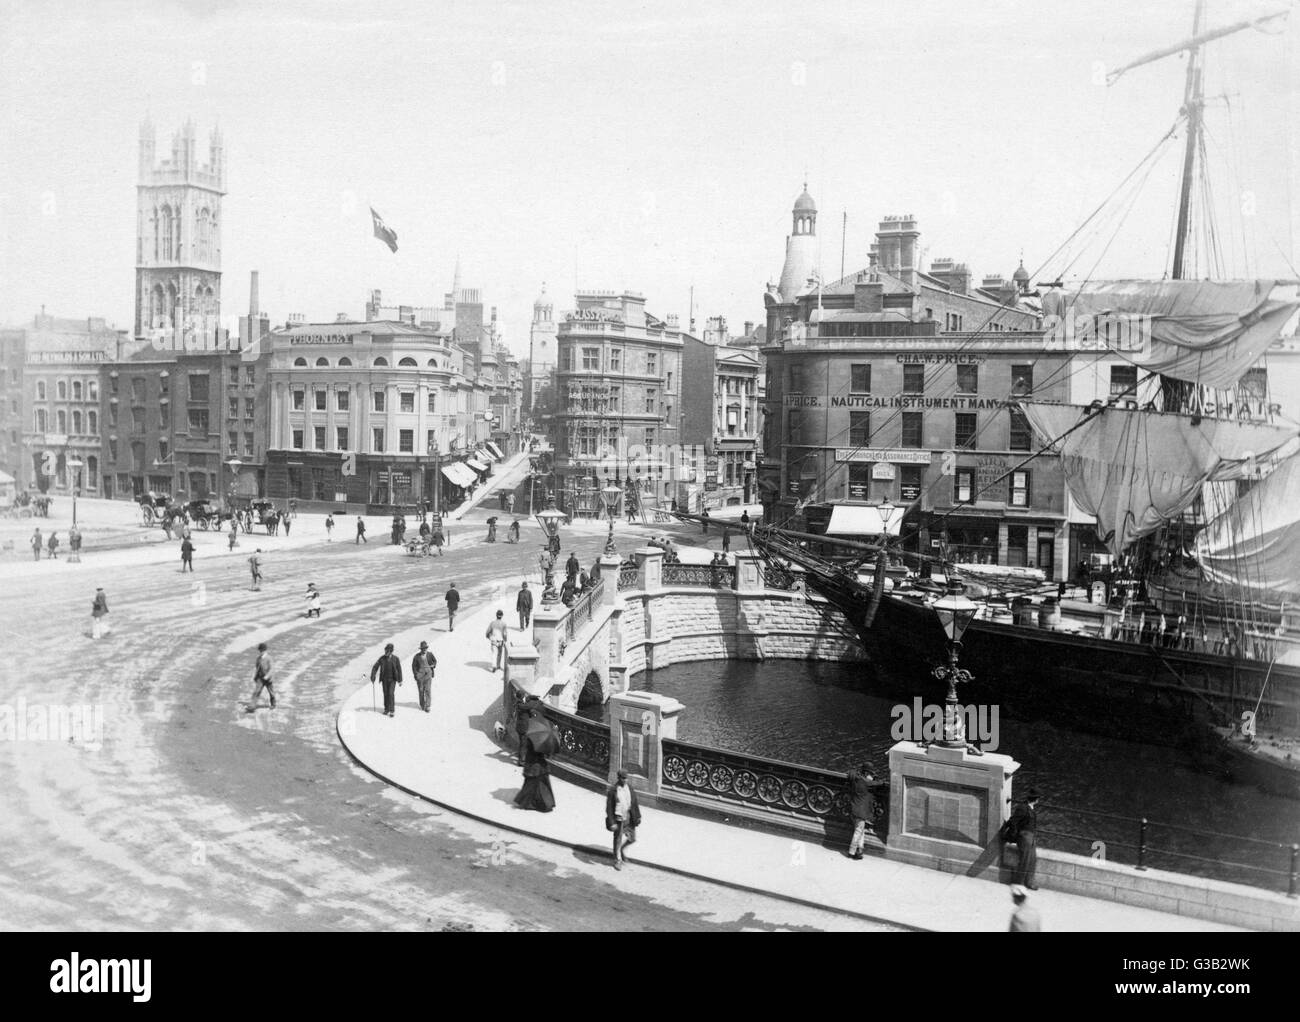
[178,238]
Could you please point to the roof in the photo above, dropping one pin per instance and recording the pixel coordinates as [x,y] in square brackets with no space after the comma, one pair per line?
[805,201]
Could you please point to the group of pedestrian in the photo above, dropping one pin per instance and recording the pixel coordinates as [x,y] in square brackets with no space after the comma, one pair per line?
[398,536]
[388,672]
[51,545]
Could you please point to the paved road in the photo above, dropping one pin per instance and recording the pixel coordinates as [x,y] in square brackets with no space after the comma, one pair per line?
[192,814]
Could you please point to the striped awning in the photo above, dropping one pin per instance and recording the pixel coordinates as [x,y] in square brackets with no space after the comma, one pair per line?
[496,451]
[476,465]
[458,474]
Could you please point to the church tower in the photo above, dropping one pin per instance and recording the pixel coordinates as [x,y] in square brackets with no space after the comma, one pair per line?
[178,238]
[541,348]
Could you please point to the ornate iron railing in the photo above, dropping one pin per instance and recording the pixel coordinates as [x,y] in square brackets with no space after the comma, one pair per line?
[710,576]
[583,743]
[629,576]
[775,577]
[768,785]
[583,610]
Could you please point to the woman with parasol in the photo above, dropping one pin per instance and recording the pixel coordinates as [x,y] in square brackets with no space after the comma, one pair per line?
[540,741]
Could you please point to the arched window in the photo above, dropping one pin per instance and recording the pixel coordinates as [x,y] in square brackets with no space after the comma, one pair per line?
[61,389]
[76,390]
[167,229]
[92,423]
[41,420]
[300,362]
[323,362]
[345,361]
[408,362]
[433,363]
[76,422]
[381,361]
[61,419]
[137,457]
[40,390]
[92,390]
[91,479]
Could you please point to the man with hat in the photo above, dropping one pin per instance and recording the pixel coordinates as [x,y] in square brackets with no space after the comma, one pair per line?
[622,816]
[862,807]
[389,670]
[262,677]
[422,666]
[1025,918]
[1023,827]
[98,611]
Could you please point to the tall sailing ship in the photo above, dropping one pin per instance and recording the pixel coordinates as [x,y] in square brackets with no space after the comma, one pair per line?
[1197,503]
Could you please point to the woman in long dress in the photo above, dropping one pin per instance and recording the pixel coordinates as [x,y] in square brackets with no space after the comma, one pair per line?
[536,792]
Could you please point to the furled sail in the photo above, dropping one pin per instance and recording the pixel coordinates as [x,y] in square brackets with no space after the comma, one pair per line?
[1205,332]
[1135,469]
[1255,543]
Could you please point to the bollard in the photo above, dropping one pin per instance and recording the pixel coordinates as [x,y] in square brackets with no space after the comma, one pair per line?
[1295,856]
[1142,845]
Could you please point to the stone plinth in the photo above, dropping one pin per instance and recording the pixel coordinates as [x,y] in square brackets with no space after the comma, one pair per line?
[946,806]
[638,723]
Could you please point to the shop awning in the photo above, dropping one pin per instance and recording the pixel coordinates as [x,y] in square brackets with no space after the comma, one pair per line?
[455,473]
[476,465]
[496,451]
[863,520]
[467,477]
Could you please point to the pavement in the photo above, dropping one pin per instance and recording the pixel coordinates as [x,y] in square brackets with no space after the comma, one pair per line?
[451,758]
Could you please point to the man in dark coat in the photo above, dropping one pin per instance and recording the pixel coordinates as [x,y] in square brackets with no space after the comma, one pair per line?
[453,602]
[187,554]
[622,816]
[524,604]
[862,807]
[571,566]
[568,590]
[1024,827]
[389,671]
[262,677]
[361,532]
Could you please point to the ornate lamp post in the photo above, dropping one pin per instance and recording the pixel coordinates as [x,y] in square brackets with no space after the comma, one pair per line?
[610,495]
[886,511]
[234,464]
[955,613]
[549,520]
[75,465]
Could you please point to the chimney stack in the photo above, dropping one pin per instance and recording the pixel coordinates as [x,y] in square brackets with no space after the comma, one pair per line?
[253,303]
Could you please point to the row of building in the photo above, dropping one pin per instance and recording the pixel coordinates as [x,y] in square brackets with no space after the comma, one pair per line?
[409,403]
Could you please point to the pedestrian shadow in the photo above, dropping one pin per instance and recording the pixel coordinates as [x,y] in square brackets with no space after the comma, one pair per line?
[482,665]
[594,855]
[507,795]
[990,858]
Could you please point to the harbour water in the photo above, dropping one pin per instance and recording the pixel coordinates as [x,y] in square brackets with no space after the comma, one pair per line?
[824,714]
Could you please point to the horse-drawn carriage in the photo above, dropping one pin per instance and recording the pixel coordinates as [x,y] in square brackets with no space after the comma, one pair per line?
[203,514]
[157,507]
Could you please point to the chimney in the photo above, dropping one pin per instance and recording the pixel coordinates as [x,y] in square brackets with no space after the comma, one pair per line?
[749,327]
[907,236]
[341,317]
[253,303]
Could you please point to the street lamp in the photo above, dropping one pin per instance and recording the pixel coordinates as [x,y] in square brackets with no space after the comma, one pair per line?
[234,465]
[610,495]
[886,511]
[955,613]
[75,465]
[549,519]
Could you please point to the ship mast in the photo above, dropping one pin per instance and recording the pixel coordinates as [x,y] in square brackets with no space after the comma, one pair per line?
[1193,103]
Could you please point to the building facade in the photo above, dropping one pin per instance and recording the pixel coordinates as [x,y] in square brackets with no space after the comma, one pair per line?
[618,387]
[50,403]
[374,414]
[898,385]
[720,423]
[178,238]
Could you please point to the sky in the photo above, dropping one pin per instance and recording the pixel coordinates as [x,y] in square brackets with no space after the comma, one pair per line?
[653,147]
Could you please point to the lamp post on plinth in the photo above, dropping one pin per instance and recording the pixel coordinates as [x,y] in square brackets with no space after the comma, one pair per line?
[610,495]
[234,464]
[549,520]
[955,613]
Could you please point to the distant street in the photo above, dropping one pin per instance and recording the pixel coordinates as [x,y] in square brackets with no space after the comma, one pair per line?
[196,815]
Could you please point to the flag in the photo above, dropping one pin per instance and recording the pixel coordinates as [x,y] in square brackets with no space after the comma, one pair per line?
[383,232]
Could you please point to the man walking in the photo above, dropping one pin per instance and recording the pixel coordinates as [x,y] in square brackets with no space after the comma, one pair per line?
[329,528]
[361,531]
[262,677]
[98,611]
[622,816]
[287,522]
[422,666]
[234,535]
[53,546]
[389,670]
[453,601]
[187,554]
[255,566]
[1024,918]
[524,604]
[1023,831]
[496,635]
[37,543]
[862,808]
[571,566]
